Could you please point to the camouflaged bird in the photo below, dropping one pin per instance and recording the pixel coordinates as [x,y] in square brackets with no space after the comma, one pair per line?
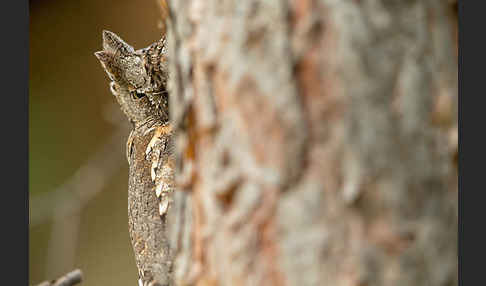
[138,82]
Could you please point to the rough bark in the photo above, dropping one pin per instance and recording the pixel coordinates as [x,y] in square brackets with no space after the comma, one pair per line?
[315,141]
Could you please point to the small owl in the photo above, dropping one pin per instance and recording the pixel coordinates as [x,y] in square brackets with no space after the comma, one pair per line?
[138,82]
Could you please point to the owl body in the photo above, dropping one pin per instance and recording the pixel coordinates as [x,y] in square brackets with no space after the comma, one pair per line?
[138,82]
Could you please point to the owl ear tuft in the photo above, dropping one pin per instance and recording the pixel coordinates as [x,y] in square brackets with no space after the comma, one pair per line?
[104,57]
[108,62]
[113,43]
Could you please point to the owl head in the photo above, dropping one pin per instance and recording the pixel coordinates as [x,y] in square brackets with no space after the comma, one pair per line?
[123,64]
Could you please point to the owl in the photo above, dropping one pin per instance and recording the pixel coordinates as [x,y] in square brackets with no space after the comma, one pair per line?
[138,83]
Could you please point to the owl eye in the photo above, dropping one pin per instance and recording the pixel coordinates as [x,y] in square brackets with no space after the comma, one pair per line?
[138,95]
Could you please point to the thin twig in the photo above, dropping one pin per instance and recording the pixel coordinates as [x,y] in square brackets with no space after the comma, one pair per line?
[72,278]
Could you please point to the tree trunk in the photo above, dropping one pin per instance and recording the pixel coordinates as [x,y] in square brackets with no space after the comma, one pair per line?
[316,142]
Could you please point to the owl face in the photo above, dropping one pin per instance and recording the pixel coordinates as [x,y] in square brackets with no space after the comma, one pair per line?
[128,72]
[122,63]
[135,74]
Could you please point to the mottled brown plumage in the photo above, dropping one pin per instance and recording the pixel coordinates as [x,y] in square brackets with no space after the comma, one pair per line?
[139,79]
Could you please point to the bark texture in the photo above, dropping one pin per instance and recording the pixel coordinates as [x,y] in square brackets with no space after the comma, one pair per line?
[316,142]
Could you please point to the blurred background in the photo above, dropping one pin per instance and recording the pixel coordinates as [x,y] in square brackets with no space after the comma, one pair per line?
[78,171]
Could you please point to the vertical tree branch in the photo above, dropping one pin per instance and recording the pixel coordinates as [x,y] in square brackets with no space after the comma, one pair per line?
[316,139]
